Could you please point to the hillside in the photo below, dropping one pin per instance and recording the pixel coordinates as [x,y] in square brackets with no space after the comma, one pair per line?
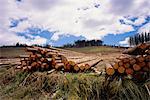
[96,49]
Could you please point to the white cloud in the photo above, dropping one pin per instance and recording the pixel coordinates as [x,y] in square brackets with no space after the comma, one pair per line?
[124,42]
[75,17]
[11,38]
[139,21]
[144,28]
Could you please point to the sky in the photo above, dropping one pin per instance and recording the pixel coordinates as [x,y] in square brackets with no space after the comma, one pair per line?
[57,22]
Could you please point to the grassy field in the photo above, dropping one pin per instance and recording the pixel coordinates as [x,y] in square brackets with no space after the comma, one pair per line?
[18,85]
[95,49]
[11,52]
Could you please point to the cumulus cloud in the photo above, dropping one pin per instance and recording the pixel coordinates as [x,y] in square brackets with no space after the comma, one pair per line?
[11,38]
[74,17]
[144,28]
[124,42]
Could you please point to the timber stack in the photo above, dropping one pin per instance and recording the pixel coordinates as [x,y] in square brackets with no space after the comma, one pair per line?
[136,65]
[43,59]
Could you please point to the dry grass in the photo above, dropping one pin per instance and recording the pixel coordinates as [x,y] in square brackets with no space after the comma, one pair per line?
[95,49]
[66,86]
[11,52]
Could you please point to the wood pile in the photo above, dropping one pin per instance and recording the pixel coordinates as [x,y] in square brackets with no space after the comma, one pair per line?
[43,59]
[139,49]
[136,66]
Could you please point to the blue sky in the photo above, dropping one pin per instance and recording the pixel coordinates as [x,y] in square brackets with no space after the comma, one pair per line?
[57,22]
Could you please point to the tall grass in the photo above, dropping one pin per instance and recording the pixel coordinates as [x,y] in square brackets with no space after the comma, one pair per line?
[67,86]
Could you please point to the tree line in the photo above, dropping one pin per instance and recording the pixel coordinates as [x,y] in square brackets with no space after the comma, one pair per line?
[85,43]
[139,38]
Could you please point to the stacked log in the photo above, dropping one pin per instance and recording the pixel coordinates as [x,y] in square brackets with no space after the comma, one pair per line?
[43,59]
[135,66]
[140,49]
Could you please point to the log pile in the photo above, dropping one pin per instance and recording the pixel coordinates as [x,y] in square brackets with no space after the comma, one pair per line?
[139,49]
[136,66]
[42,59]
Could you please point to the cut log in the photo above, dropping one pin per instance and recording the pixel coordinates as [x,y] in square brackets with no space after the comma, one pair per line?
[132,61]
[24,56]
[67,67]
[121,70]
[23,63]
[120,63]
[83,60]
[148,65]
[147,52]
[126,65]
[38,64]
[140,58]
[82,67]
[29,68]
[51,71]
[143,46]
[76,68]
[24,68]
[57,58]
[34,64]
[63,58]
[130,51]
[116,66]
[137,50]
[146,69]
[147,58]
[19,67]
[142,64]
[129,71]
[125,60]
[58,61]
[32,57]
[109,69]
[44,66]
[38,55]
[49,59]
[91,63]
[59,66]
[87,66]
[136,67]
[53,62]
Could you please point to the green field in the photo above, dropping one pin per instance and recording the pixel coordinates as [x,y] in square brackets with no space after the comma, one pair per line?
[95,49]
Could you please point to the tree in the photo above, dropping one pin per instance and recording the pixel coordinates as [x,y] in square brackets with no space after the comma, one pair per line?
[17,44]
[139,38]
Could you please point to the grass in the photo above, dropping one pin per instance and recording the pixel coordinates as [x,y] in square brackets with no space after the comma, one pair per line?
[80,87]
[17,85]
[95,49]
[11,52]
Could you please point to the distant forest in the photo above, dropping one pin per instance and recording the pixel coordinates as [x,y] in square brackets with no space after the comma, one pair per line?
[139,38]
[85,43]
